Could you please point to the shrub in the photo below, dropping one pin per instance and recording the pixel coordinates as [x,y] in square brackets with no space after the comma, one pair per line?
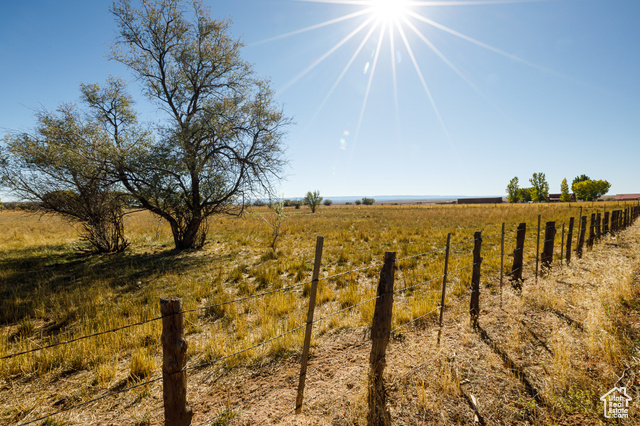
[368,201]
[313,200]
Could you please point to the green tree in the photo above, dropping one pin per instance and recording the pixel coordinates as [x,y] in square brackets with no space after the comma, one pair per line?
[218,140]
[368,201]
[591,190]
[578,179]
[564,191]
[513,195]
[59,166]
[539,187]
[524,194]
[313,200]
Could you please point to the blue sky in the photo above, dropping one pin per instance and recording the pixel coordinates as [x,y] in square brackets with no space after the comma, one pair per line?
[503,89]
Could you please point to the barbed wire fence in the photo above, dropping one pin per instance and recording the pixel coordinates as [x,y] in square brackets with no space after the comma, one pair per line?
[174,347]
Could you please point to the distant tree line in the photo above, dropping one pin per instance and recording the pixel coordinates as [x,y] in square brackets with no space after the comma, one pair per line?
[584,188]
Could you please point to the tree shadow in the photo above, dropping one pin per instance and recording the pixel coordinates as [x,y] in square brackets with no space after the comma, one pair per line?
[30,274]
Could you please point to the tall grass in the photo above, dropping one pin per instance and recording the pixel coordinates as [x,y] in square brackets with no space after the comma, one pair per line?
[51,290]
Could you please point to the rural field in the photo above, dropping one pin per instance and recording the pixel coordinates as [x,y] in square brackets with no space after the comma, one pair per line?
[80,333]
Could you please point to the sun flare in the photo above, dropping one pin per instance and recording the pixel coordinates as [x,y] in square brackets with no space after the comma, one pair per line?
[398,27]
[389,10]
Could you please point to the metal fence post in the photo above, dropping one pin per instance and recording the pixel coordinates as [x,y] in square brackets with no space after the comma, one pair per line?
[307,334]
[474,306]
[444,283]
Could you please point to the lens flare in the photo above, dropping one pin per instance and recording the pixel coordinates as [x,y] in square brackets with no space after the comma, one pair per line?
[391,20]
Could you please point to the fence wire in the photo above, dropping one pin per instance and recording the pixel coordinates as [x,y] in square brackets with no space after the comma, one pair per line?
[463,243]
[243,299]
[421,254]
[324,392]
[533,230]
[243,403]
[222,358]
[91,401]
[330,277]
[345,309]
[66,342]
[419,284]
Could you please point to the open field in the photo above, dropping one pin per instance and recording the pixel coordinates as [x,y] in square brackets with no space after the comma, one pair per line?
[51,291]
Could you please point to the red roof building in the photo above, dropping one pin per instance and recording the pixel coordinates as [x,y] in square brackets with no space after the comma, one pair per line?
[627,197]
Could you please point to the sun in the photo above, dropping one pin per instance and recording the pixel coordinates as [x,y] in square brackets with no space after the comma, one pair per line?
[399,26]
[388,11]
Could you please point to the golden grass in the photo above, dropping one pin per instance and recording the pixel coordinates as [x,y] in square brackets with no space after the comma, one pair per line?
[52,291]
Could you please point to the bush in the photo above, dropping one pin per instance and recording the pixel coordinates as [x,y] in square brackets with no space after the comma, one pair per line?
[327,202]
[368,201]
[313,200]
[358,202]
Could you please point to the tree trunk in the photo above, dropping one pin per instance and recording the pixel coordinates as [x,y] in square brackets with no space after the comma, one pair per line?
[189,236]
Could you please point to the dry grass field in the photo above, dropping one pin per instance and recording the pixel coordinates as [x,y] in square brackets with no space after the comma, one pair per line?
[568,338]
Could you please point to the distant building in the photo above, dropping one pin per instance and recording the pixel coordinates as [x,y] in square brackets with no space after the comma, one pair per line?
[627,197]
[488,200]
[555,198]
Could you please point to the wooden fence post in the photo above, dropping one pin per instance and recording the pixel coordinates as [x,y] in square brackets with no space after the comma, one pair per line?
[474,306]
[380,333]
[583,230]
[501,261]
[518,254]
[174,358]
[538,249]
[592,231]
[307,334]
[444,283]
[605,224]
[562,246]
[619,226]
[578,236]
[547,252]
[626,217]
[598,226]
[569,240]
[614,221]
[620,220]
